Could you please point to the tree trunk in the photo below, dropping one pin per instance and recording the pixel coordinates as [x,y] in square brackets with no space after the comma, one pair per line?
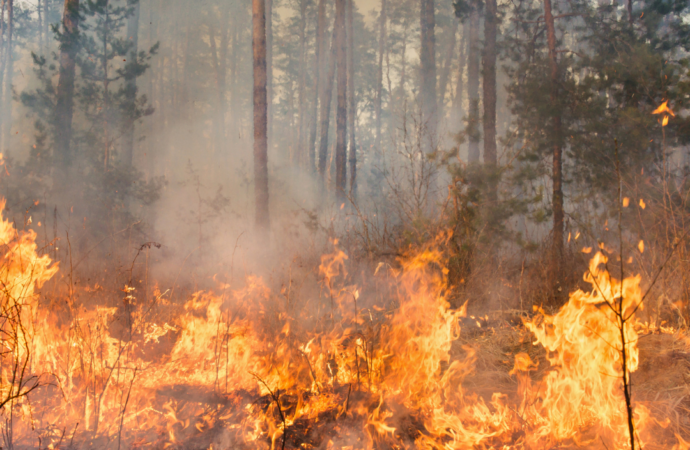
[219,65]
[444,78]
[428,63]
[260,114]
[131,84]
[473,88]
[7,103]
[301,119]
[269,69]
[318,75]
[39,11]
[65,93]
[456,117]
[557,175]
[402,92]
[106,81]
[234,91]
[379,79]
[46,24]
[353,98]
[326,109]
[216,69]
[489,87]
[341,114]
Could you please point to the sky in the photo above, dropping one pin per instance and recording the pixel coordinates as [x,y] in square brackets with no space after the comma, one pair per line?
[367,5]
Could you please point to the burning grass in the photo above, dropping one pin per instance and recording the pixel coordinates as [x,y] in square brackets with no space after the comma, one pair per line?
[329,364]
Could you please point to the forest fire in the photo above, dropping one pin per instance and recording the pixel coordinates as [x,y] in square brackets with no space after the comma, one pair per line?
[376,367]
[344,224]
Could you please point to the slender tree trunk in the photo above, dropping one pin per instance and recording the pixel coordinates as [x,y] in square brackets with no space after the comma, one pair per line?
[152,94]
[186,72]
[379,79]
[301,119]
[326,109]
[444,78]
[341,114]
[456,117]
[106,97]
[473,88]
[219,65]
[217,139]
[428,63]
[39,10]
[131,84]
[403,71]
[3,58]
[46,24]
[234,92]
[353,98]
[557,175]
[489,87]
[7,103]
[65,92]
[318,75]
[260,114]
[269,68]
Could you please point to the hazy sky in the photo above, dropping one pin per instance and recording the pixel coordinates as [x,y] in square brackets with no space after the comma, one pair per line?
[367,5]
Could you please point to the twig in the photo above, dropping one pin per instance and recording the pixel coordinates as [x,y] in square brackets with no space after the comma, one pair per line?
[277,402]
[73,433]
[124,408]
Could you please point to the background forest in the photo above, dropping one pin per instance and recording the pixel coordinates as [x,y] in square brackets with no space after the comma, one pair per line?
[530,129]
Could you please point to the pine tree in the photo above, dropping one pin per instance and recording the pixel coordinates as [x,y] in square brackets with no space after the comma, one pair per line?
[341,111]
[260,114]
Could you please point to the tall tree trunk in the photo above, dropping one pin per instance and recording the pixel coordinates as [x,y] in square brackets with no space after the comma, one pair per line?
[489,87]
[39,10]
[131,84]
[353,98]
[402,92]
[326,109]
[341,114]
[269,69]
[219,65]
[106,91]
[318,75]
[379,79]
[557,175]
[3,59]
[456,117]
[234,66]
[301,119]
[186,104]
[46,22]
[428,63]
[444,77]
[473,88]
[65,92]
[7,104]
[260,114]
[217,140]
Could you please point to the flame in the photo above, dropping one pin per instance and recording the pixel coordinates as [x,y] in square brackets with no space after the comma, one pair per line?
[375,365]
[664,109]
[583,343]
